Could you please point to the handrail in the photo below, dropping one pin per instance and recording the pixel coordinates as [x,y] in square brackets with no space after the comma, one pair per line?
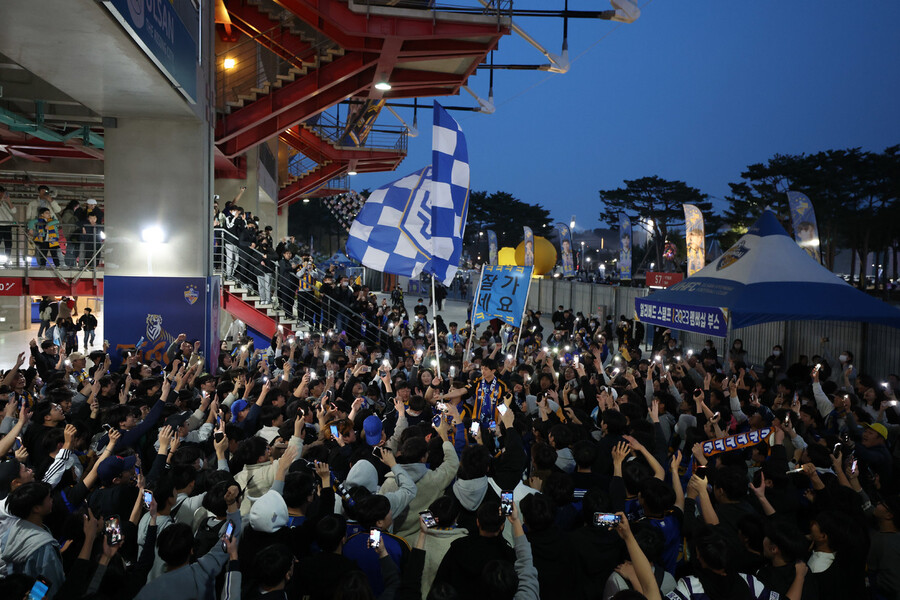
[22,252]
[323,314]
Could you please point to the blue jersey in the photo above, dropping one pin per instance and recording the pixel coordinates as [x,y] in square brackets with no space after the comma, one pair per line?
[670,526]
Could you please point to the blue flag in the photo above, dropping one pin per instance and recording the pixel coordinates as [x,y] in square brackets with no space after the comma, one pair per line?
[417,223]
[502,294]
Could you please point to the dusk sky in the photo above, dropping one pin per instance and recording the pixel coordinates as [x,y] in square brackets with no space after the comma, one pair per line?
[692,90]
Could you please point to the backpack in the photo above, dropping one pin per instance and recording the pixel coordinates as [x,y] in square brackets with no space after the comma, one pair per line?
[207,536]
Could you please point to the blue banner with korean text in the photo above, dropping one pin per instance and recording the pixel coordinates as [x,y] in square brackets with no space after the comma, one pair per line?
[709,320]
[502,294]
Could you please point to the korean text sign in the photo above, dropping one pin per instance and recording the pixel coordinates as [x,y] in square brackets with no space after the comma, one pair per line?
[502,294]
[710,320]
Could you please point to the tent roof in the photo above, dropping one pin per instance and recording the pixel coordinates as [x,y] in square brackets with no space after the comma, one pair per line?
[764,277]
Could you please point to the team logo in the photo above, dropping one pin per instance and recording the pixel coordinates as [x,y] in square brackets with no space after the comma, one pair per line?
[191,295]
[415,221]
[732,255]
[155,329]
[136,10]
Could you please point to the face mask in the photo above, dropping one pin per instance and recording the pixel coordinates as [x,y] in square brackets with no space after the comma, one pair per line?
[843,358]
[776,352]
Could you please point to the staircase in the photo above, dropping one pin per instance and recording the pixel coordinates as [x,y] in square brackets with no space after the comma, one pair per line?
[241,299]
[301,57]
[321,153]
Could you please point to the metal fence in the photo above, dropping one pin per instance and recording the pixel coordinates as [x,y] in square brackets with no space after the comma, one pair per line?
[876,348]
[243,268]
[75,257]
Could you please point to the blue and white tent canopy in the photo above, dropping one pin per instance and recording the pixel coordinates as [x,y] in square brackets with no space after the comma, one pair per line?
[764,277]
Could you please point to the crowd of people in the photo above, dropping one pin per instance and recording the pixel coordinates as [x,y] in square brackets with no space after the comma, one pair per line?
[69,237]
[576,465]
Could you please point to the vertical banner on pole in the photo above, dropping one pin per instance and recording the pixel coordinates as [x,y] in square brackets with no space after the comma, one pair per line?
[624,247]
[803,218]
[529,246]
[694,236]
[565,250]
[492,247]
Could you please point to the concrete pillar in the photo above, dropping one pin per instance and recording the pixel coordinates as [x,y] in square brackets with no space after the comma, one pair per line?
[159,175]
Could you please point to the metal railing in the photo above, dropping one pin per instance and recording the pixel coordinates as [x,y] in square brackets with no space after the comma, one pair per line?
[248,269]
[252,65]
[330,129]
[18,250]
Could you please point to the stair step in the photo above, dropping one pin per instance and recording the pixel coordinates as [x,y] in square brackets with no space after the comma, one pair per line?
[261,90]
[251,298]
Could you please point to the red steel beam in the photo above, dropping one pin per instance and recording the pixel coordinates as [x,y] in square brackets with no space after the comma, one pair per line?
[281,100]
[337,21]
[310,182]
[425,49]
[267,128]
[401,78]
[250,315]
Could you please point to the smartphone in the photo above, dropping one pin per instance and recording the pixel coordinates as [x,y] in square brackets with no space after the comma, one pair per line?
[428,519]
[506,503]
[787,419]
[475,428]
[608,520]
[836,450]
[376,452]
[359,361]
[366,369]
[441,406]
[501,408]
[700,471]
[229,534]
[853,466]
[374,540]
[148,499]
[492,425]
[452,371]
[137,470]
[334,432]
[330,373]
[313,376]
[38,590]
[436,421]
[17,443]
[113,531]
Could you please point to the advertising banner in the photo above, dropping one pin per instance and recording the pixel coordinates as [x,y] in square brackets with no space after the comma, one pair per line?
[155,311]
[565,250]
[624,247]
[699,319]
[492,246]
[529,246]
[803,218]
[693,232]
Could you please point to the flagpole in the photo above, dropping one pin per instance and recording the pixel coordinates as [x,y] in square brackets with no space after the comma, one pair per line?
[472,316]
[434,331]
[524,310]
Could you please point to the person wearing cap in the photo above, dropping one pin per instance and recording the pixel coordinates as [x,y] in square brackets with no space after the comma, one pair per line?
[88,324]
[90,207]
[871,449]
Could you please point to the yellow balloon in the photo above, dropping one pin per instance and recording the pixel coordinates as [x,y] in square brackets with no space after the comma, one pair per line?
[544,255]
[506,257]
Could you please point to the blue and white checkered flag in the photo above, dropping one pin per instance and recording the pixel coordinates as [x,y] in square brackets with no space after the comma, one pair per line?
[417,223]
